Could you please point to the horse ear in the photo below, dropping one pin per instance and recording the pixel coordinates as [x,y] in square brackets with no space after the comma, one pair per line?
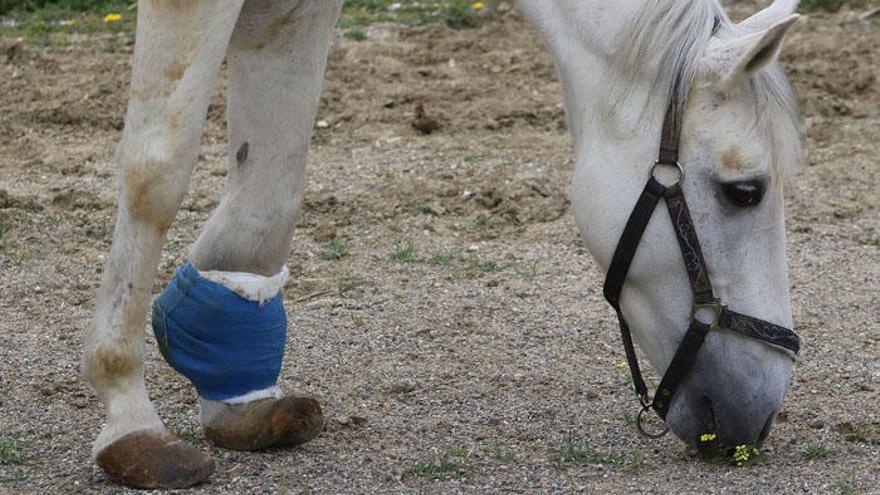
[748,54]
[777,11]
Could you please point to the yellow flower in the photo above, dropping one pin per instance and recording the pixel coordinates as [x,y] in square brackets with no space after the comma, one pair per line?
[478,6]
[112,18]
[707,437]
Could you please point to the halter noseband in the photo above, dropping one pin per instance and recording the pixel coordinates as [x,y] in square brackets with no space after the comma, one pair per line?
[694,263]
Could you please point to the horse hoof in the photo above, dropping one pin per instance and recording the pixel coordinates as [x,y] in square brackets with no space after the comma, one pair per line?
[266,423]
[149,459]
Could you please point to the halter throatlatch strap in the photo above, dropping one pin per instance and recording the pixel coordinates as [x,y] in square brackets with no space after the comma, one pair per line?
[698,276]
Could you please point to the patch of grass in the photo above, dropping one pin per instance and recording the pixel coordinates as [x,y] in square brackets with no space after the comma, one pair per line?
[439,467]
[573,453]
[457,14]
[75,487]
[5,241]
[459,452]
[349,281]
[474,263]
[405,254]
[815,450]
[443,259]
[11,452]
[356,35]
[859,433]
[15,475]
[848,485]
[334,250]
[427,210]
[103,231]
[356,320]
[636,462]
[52,22]
[502,454]
[396,223]
[470,263]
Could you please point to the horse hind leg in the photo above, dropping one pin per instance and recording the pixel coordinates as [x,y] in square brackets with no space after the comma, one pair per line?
[178,52]
[276,62]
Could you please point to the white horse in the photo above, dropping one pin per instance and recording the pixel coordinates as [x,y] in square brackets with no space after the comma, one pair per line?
[617,62]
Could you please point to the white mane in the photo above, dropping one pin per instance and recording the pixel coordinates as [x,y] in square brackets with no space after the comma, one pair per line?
[667,38]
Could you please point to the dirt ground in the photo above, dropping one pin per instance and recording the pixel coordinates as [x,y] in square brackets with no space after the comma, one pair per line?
[464,336]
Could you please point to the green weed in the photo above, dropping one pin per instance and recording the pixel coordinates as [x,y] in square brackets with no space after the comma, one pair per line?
[427,210]
[334,250]
[573,453]
[11,452]
[815,450]
[502,454]
[438,467]
[405,254]
[356,35]
[349,281]
[860,433]
[848,485]
[103,231]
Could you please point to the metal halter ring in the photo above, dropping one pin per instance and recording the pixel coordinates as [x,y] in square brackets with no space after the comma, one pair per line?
[641,428]
[676,164]
[716,307]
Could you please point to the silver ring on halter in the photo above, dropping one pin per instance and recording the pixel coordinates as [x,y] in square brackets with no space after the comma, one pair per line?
[675,164]
[715,306]
[640,420]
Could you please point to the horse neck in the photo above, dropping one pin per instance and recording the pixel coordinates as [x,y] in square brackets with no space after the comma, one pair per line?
[606,118]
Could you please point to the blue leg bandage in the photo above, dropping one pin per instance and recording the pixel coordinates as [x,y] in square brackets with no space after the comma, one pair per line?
[225,344]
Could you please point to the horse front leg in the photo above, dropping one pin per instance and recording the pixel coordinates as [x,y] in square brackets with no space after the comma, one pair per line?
[276,63]
[179,48]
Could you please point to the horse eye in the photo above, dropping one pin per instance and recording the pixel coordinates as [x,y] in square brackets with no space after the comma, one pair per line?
[743,193]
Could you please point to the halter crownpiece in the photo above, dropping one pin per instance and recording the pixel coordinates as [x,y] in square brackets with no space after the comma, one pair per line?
[704,301]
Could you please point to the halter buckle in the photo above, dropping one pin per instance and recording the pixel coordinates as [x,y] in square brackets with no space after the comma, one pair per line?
[676,164]
[715,306]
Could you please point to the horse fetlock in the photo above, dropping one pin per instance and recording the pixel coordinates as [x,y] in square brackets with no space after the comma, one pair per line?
[112,366]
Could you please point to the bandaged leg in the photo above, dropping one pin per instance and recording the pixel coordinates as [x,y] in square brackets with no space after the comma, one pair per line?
[226,332]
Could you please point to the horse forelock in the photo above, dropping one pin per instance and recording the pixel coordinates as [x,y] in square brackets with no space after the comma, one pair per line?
[666,39]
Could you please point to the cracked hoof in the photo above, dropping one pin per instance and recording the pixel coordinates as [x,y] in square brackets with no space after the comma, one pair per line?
[149,459]
[261,424]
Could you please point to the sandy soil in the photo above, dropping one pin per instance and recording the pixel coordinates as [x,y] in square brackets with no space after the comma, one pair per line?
[491,348]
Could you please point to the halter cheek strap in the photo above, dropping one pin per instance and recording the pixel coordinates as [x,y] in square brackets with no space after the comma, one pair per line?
[695,265]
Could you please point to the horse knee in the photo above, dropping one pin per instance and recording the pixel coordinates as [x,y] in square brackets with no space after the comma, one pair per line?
[153,181]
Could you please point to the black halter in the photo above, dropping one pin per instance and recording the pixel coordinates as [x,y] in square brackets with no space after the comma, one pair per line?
[704,299]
